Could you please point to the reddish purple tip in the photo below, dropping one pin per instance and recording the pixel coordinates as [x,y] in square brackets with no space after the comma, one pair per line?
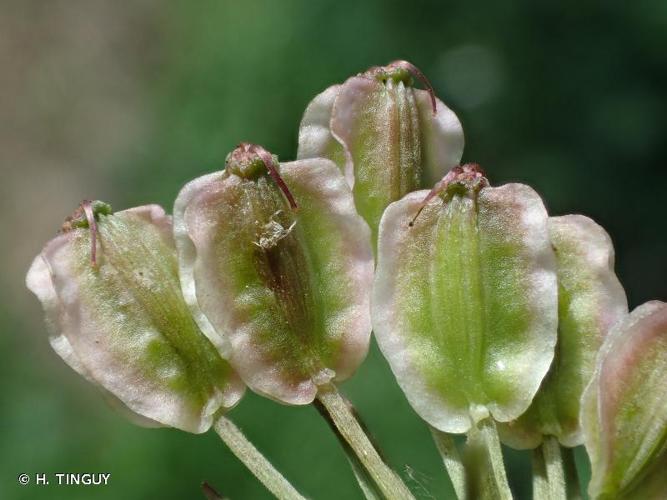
[87,207]
[271,166]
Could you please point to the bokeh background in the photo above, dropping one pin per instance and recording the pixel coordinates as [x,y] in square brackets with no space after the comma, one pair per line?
[126,101]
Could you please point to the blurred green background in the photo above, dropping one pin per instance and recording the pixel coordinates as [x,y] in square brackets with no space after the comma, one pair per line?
[126,101]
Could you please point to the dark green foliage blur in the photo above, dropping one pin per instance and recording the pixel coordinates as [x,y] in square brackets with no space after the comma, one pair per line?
[568,97]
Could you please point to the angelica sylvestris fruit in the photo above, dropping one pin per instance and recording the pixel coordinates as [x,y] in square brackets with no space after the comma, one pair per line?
[277,267]
[590,301]
[110,290]
[388,137]
[465,299]
[624,409]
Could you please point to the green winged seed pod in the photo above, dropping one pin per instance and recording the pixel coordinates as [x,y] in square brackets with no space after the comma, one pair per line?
[590,301]
[279,278]
[624,409]
[465,299]
[111,294]
[387,137]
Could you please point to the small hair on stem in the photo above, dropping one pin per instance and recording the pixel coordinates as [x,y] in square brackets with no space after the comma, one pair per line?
[210,492]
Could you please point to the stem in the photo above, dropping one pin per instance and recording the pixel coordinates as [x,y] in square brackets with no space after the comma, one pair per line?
[251,457]
[451,460]
[365,481]
[571,474]
[540,481]
[366,484]
[548,471]
[388,482]
[553,462]
[484,458]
